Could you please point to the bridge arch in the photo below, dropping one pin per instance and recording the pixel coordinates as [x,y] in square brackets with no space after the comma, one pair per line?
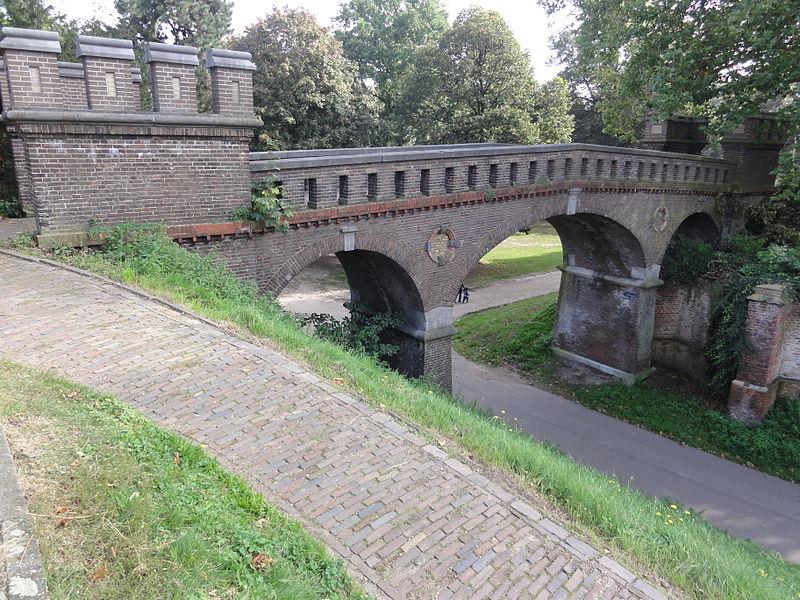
[383,277]
[607,293]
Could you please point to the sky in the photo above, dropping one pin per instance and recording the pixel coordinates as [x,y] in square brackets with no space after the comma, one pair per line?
[526,18]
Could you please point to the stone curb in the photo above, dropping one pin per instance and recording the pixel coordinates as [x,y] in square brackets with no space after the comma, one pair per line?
[21,571]
[388,421]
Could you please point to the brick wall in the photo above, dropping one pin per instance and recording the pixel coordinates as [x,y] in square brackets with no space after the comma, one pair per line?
[143,174]
[680,334]
[790,355]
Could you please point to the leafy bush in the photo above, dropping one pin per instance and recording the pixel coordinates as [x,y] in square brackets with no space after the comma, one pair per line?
[362,331]
[11,208]
[687,259]
[266,209]
[744,265]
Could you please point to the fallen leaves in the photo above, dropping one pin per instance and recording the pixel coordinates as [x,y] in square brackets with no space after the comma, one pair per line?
[260,561]
[99,574]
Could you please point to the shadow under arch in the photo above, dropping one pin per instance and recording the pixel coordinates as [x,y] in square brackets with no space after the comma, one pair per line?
[381,277]
[696,226]
[683,309]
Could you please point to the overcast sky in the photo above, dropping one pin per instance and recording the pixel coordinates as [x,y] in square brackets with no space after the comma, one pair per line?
[527,20]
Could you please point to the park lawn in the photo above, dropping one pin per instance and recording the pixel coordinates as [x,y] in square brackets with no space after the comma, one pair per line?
[125,510]
[519,335]
[518,255]
[705,562]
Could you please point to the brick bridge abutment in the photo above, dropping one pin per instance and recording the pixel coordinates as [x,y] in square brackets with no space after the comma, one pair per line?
[407,223]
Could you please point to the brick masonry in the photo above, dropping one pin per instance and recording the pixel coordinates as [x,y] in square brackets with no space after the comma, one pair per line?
[410,521]
[768,357]
[616,209]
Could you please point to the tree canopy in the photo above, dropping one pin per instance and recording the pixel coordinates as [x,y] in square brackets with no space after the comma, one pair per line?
[477,85]
[383,36]
[722,60]
[306,91]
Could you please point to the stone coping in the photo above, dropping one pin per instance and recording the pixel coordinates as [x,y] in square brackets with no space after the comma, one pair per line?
[32,40]
[142,118]
[229,59]
[71,69]
[21,571]
[400,154]
[100,47]
[168,53]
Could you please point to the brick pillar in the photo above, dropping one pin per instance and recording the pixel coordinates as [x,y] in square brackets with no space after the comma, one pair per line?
[30,81]
[677,134]
[753,391]
[107,68]
[172,77]
[754,147]
[425,347]
[136,79]
[606,322]
[231,81]
[31,64]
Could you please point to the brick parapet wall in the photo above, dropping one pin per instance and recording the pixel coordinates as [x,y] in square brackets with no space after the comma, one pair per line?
[310,182]
[84,152]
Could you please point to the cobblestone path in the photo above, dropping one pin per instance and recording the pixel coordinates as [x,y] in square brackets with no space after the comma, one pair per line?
[410,521]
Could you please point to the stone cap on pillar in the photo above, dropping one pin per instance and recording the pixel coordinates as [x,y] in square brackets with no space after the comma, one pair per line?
[168,53]
[31,40]
[771,293]
[98,47]
[136,75]
[229,59]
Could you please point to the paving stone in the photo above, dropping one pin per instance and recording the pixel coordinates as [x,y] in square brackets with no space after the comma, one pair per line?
[409,520]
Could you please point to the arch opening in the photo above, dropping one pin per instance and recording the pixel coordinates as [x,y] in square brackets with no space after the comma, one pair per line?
[606,296]
[684,302]
[376,284]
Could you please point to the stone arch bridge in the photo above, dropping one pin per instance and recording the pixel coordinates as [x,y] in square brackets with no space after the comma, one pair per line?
[407,223]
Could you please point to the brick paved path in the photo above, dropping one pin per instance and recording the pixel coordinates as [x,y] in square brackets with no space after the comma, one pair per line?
[411,522]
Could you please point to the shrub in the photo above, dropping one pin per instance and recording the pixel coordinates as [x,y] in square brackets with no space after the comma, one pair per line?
[363,331]
[266,208]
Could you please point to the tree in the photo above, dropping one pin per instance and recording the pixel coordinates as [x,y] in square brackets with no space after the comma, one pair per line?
[307,93]
[199,23]
[477,85]
[723,60]
[382,38]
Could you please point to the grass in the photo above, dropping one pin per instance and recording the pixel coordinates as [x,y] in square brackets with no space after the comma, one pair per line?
[519,255]
[126,510]
[519,334]
[698,558]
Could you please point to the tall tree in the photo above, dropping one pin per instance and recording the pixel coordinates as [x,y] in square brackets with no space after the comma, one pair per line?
[477,85]
[722,60]
[199,23]
[307,93]
[383,36]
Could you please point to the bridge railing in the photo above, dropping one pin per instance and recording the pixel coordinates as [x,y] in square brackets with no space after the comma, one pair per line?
[324,179]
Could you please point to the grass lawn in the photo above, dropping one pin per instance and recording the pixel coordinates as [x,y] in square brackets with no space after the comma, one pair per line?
[521,254]
[698,558]
[125,510]
[520,333]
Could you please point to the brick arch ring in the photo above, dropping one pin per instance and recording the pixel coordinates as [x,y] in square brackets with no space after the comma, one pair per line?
[465,263]
[332,244]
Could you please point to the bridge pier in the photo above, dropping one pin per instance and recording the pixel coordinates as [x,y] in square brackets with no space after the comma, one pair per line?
[425,348]
[606,321]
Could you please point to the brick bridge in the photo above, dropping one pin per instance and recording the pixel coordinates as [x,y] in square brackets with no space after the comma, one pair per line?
[408,224]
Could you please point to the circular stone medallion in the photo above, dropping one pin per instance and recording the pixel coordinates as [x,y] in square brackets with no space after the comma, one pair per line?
[440,246]
[660,219]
